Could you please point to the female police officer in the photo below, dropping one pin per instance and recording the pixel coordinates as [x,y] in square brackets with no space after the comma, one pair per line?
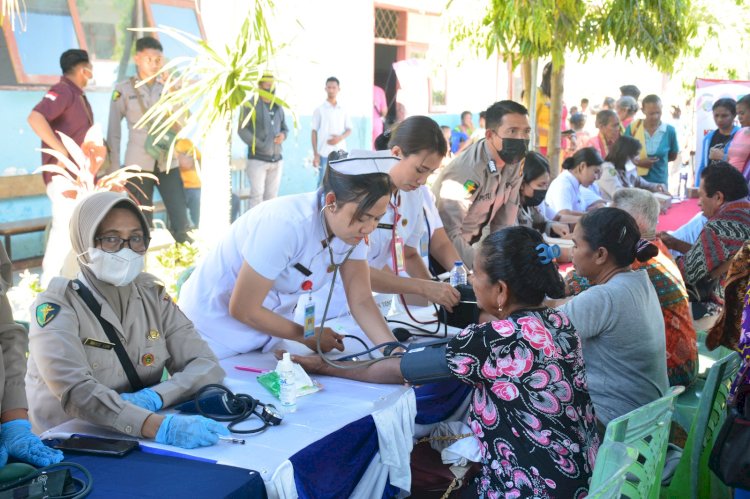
[78,370]
[243,294]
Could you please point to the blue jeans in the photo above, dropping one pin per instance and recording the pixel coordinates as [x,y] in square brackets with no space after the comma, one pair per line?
[193,201]
[322,169]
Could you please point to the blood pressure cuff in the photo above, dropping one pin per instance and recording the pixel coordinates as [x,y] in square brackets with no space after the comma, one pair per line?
[214,402]
[425,362]
[464,313]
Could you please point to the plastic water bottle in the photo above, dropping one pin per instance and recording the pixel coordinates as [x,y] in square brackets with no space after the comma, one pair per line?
[459,274]
[287,389]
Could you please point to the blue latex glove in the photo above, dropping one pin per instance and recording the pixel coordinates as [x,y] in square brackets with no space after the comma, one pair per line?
[189,432]
[146,398]
[17,439]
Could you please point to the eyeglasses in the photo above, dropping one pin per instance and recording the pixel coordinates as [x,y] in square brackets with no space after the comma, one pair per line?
[113,244]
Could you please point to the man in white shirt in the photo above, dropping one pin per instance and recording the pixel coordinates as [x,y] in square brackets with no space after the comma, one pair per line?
[331,125]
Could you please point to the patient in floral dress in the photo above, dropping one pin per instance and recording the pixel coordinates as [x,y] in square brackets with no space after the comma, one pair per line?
[530,409]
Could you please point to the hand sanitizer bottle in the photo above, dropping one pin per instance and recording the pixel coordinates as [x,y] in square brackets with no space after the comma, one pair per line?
[287,388]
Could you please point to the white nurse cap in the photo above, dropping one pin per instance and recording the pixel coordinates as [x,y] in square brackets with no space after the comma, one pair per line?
[363,162]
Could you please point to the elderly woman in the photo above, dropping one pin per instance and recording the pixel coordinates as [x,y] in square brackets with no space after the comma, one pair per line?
[530,410]
[682,352]
[626,107]
[608,125]
[16,439]
[99,339]
[618,318]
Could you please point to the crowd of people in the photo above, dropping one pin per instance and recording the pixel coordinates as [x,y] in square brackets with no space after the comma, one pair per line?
[555,357]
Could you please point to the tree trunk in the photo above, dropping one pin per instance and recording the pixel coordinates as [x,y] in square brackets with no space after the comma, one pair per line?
[530,93]
[553,144]
[527,82]
[216,186]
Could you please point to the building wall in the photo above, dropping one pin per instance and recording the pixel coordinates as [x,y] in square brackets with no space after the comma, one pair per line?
[314,40]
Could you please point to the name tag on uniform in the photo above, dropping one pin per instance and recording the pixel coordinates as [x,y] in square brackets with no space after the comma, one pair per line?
[309,327]
[398,248]
[91,342]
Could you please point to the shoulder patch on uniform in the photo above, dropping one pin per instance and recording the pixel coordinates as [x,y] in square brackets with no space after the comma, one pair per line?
[45,312]
[116,95]
[471,186]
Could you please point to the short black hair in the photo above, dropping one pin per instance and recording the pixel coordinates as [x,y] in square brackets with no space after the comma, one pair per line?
[725,178]
[584,101]
[148,42]
[72,58]
[334,80]
[651,99]
[413,135]
[534,166]
[510,255]
[630,90]
[464,114]
[494,114]
[616,231]
[587,155]
[577,120]
[482,114]
[727,103]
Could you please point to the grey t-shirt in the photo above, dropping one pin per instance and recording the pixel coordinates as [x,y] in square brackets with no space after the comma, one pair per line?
[622,335]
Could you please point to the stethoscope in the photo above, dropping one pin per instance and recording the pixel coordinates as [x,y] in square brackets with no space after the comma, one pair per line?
[336,267]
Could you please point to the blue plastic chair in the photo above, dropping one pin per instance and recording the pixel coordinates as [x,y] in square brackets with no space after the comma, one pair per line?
[692,478]
[612,464]
[647,430]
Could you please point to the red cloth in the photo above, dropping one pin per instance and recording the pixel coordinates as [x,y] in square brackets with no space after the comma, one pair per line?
[678,215]
[67,110]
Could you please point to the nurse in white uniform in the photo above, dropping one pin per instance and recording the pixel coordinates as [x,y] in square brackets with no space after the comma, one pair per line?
[242,296]
[418,146]
[565,196]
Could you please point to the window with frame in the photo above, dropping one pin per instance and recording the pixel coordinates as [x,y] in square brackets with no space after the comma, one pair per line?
[49,23]
[179,14]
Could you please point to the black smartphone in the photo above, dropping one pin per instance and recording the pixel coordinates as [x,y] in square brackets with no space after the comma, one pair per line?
[95,445]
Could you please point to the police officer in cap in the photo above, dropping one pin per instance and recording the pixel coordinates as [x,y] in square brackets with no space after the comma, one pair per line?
[479,189]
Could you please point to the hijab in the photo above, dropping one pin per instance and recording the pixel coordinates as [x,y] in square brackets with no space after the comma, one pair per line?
[86,218]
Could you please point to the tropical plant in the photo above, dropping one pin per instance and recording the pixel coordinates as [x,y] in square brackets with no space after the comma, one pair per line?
[13,9]
[202,94]
[80,169]
[527,29]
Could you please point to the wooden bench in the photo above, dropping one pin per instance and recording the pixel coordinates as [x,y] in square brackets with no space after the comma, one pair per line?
[21,186]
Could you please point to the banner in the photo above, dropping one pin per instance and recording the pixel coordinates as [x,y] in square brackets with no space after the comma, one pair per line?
[706,93]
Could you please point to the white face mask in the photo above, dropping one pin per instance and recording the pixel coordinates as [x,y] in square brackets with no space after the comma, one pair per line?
[118,269]
[630,166]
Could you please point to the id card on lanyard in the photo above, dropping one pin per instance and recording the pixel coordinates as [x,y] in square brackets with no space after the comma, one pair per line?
[309,326]
[307,285]
[397,242]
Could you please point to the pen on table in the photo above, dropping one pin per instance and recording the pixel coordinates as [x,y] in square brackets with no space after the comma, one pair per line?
[233,440]
[252,369]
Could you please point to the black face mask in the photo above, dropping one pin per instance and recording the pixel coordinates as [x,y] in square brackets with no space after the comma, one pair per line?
[513,150]
[536,199]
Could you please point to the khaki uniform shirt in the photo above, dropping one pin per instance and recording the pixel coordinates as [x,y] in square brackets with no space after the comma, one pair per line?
[69,379]
[125,104]
[14,342]
[474,193]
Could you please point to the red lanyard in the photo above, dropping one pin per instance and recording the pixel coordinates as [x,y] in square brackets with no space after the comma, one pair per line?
[395,237]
